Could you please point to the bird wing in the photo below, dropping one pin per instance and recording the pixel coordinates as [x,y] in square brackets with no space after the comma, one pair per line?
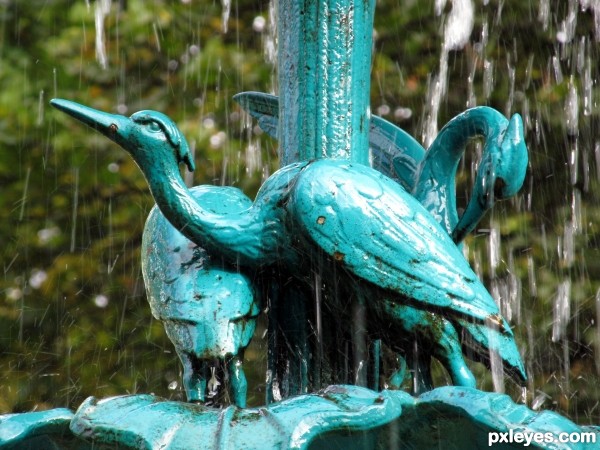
[484,341]
[381,234]
[393,151]
[177,272]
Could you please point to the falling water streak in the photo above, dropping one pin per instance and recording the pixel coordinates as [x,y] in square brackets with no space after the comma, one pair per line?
[55,83]
[515,289]
[581,55]
[102,10]
[558,75]
[40,118]
[530,354]
[588,85]
[488,79]
[576,214]
[566,31]
[24,197]
[526,116]
[253,157]
[471,97]
[110,238]
[270,44]
[459,24]
[74,212]
[494,249]
[568,244]
[531,276]
[226,4]
[156,37]
[511,91]
[561,310]
[318,321]
[496,364]
[566,367]
[598,331]
[21,314]
[572,110]
[544,13]
[597,158]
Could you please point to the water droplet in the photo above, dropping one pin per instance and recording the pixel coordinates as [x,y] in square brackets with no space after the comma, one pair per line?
[383,110]
[45,235]
[218,139]
[37,278]
[101,301]
[208,123]
[259,23]
[14,294]
[401,113]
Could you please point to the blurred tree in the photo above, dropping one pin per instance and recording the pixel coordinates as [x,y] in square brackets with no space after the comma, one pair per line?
[73,317]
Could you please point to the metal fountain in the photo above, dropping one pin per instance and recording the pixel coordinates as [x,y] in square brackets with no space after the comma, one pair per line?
[352,248]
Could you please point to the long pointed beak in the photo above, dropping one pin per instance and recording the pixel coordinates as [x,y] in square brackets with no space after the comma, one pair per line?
[107,124]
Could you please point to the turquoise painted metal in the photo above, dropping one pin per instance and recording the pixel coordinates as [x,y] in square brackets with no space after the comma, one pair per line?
[430,175]
[324,69]
[367,224]
[337,417]
[368,235]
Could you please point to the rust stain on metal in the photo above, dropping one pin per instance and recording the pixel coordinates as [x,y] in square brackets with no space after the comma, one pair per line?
[338,256]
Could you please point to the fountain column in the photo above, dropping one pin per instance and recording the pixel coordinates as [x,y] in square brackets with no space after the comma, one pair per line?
[324,72]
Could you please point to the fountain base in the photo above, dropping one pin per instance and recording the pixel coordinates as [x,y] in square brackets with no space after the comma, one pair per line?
[339,416]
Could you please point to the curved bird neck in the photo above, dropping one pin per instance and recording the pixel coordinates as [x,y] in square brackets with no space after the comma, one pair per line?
[232,235]
[436,183]
[246,233]
[449,146]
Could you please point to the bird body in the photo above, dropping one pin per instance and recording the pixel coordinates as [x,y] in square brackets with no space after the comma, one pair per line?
[410,272]
[430,175]
[397,257]
[208,308]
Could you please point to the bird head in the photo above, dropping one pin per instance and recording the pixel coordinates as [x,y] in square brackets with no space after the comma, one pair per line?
[500,174]
[141,135]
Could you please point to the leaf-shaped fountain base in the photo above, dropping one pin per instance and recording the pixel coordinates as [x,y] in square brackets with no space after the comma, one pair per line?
[337,417]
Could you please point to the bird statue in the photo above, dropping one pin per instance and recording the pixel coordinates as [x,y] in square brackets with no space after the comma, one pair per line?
[500,174]
[208,308]
[430,176]
[407,271]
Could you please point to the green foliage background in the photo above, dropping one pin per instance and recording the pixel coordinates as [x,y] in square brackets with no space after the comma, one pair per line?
[73,205]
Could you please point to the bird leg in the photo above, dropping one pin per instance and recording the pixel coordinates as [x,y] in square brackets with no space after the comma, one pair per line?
[449,352]
[238,385]
[397,378]
[195,374]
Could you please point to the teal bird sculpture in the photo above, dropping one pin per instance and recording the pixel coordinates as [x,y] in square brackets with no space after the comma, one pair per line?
[208,307]
[430,175]
[411,277]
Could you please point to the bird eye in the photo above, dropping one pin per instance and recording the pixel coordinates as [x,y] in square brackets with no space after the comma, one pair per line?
[154,127]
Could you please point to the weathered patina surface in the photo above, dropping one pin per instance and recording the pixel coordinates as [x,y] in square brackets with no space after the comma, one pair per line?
[371,250]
